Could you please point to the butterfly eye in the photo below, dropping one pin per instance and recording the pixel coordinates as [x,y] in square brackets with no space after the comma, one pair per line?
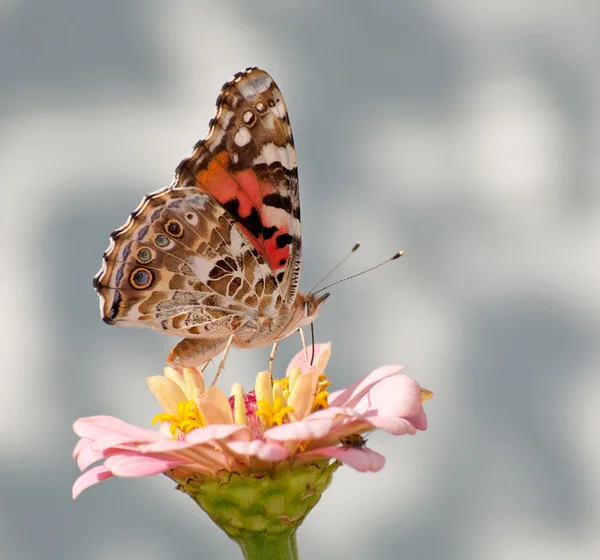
[144,255]
[161,240]
[141,278]
[174,228]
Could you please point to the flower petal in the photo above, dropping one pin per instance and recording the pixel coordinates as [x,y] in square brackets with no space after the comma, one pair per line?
[264,451]
[395,426]
[356,391]
[89,478]
[398,396]
[214,406]
[322,354]
[81,444]
[214,432]
[299,431]
[168,393]
[136,465]
[363,460]
[302,395]
[88,456]
[94,427]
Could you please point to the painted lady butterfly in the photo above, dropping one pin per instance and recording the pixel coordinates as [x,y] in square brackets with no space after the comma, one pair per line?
[215,257]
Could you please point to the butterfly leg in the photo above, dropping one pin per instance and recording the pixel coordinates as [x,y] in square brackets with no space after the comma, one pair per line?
[193,351]
[303,344]
[272,359]
[223,358]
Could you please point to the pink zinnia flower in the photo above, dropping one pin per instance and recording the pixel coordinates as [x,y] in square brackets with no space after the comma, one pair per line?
[284,430]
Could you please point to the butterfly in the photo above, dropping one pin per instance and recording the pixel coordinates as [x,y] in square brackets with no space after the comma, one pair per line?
[215,257]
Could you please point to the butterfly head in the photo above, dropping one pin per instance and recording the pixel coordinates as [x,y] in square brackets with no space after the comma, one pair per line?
[311,307]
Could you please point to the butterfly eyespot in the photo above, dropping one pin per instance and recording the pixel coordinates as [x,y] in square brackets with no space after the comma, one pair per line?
[161,240]
[260,107]
[271,103]
[174,228]
[141,278]
[249,118]
[144,255]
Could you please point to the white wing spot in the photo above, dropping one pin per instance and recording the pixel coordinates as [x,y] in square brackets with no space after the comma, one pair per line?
[237,244]
[201,267]
[254,84]
[216,137]
[260,107]
[235,157]
[192,218]
[242,136]
[270,153]
[226,119]
[248,116]
[279,109]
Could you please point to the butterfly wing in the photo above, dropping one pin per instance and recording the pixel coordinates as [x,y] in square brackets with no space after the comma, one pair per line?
[222,243]
[248,163]
[180,264]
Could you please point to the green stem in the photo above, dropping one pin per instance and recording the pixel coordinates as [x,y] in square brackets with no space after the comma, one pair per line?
[263,546]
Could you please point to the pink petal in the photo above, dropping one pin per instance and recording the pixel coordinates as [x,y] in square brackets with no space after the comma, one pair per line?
[109,441]
[420,420]
[398,396]
[136,465]
[199,436]
[80,446]
[95,427]
[91,477]
[395,426]
[264,451]
[298,431]
[299,361]
[353,394]
[334,413]
[88,456]
[363,460]
[216,432]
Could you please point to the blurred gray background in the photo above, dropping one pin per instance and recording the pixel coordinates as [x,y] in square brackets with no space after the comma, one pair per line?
[465,133]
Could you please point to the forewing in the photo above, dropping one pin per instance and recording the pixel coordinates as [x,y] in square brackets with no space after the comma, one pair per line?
[247,163]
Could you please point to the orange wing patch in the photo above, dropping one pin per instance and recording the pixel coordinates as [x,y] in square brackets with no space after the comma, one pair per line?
[242,195]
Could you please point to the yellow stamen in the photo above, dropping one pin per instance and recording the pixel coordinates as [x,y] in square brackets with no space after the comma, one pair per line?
[321,401]
[188,418]
[273,411]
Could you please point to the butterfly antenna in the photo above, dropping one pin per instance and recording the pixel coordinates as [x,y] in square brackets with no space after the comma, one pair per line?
[355,248]
[393,258]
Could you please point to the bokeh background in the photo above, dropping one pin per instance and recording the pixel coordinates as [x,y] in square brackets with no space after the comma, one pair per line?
[465,133]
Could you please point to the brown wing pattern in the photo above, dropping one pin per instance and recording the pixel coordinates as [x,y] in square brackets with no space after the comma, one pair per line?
[248,163]
[222,244]
[180,264]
